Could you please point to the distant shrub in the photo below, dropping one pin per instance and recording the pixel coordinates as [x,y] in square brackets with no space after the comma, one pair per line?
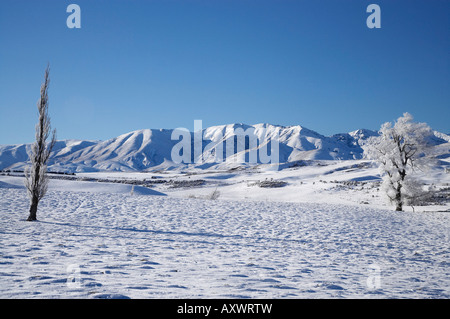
[271,183]
[214,195]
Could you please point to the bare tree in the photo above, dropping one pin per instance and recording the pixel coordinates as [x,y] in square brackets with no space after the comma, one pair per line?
[36,179]
[400,150]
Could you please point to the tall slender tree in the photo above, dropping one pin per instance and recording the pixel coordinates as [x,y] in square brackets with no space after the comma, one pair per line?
[36,179]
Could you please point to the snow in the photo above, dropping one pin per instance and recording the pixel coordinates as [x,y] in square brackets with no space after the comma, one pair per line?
[151,148]
[316,237]
[133,224]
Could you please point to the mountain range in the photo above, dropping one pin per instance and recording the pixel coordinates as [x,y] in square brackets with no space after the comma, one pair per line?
[150,149]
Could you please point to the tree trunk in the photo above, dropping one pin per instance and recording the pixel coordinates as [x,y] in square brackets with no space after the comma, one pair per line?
[33,209]
[398,198]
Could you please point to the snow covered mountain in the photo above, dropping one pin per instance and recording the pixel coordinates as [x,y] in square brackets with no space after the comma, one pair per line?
[150,149]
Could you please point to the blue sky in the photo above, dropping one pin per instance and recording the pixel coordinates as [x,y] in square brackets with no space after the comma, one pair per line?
[138,64]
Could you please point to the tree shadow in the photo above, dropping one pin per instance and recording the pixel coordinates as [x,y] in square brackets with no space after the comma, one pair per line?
[201,236]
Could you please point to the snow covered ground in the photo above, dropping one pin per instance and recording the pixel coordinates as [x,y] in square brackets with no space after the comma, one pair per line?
[317,237]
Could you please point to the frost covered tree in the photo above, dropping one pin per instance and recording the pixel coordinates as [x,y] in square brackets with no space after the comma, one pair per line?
[36,179]
[400,149]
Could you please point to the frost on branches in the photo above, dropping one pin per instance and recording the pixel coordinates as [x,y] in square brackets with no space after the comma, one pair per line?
[400,150]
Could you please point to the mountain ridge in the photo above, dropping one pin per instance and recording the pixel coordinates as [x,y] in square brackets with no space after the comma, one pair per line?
[150,149]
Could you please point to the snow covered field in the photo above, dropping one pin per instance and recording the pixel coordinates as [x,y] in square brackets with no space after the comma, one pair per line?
[313,238]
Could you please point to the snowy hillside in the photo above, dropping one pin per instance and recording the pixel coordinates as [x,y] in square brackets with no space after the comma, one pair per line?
[150,149]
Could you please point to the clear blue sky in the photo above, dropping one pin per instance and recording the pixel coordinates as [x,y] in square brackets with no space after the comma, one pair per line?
[162,64]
